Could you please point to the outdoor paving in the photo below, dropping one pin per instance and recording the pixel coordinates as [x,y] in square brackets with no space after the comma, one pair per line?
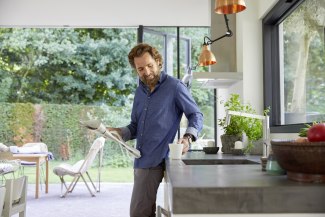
[112,201]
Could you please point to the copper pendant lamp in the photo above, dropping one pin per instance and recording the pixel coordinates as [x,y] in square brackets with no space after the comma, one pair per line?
[221,7]
[206,57]
[229,6]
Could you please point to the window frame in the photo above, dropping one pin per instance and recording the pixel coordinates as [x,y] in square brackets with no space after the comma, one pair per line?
[142,29]
[271,64]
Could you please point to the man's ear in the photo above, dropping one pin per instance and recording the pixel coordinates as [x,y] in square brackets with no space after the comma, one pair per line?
[159,63]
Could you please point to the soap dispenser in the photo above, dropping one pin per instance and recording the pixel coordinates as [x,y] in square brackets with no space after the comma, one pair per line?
[272,166]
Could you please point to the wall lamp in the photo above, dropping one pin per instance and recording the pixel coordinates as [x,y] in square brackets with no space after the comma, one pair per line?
[221,7]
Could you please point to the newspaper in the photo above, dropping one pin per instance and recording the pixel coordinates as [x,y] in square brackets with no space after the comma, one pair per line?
[113,135]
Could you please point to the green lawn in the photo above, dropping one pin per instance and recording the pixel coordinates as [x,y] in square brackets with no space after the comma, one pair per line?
[108,174]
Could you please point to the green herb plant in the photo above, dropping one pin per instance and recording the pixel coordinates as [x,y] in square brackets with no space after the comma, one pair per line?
[252,127]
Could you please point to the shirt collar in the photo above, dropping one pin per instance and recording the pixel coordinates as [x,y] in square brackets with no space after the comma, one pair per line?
[162,78]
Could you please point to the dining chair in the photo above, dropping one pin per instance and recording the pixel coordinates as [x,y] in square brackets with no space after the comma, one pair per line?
[8,166]
[15,197]
[80,168]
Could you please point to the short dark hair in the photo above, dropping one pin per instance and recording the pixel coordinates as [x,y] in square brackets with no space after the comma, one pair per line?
[142,48]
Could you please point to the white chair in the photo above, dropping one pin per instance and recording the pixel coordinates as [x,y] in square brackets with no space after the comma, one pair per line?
[8,166]
[15,199]
[80,168]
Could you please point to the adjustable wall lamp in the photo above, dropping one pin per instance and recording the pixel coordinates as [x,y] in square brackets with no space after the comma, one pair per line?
[221,7]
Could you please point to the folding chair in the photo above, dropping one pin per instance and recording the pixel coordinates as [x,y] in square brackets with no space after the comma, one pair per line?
[15,199]
[80,168]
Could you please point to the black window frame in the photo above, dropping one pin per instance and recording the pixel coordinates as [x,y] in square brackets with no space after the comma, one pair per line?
[142,29]
[271,64]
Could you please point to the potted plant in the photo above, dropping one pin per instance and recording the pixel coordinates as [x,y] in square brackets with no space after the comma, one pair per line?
[253,128]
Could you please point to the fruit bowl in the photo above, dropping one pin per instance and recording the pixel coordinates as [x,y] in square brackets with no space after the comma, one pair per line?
[304,161]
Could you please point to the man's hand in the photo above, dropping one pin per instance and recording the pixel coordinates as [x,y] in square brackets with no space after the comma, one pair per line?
[186,144]
[117,132]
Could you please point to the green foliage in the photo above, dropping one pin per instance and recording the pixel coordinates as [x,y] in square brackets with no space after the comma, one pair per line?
[238,125]
[22,122]
[303,131]
[63,66]
[61,126]
[208,121]
[304,26]
[6,117]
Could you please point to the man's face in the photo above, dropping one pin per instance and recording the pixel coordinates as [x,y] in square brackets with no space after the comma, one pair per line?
[148,69]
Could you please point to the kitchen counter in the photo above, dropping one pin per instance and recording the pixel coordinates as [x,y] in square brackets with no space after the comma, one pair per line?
[243,188]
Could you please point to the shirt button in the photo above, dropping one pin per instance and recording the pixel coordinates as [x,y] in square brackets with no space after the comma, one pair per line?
[142,121]
[141,134]
[145,109]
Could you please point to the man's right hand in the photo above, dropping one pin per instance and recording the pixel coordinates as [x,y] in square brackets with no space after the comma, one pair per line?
[115,132]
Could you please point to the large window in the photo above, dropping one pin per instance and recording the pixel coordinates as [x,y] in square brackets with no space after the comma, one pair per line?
[295,63]
[180,47]
[51,78]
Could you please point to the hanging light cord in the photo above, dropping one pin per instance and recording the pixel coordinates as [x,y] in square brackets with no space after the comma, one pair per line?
[208,41]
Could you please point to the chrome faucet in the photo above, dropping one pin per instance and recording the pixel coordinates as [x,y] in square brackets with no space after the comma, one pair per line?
[266,127]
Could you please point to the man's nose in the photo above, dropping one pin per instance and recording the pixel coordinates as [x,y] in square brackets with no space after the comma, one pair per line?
[146,70]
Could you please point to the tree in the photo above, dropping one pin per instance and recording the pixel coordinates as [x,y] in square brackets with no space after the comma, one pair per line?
[68,65]
[300,29]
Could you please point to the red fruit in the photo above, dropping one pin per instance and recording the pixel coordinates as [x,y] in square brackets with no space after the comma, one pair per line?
[316,133]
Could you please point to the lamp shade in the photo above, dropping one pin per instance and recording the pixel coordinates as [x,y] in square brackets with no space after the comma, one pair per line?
[206,57]
[229,6]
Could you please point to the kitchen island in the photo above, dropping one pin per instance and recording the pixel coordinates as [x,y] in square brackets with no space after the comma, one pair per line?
[198,185]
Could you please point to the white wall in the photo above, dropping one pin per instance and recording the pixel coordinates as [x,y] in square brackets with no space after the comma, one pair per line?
[264,6]
[250,56]
[249,51]
[101,13]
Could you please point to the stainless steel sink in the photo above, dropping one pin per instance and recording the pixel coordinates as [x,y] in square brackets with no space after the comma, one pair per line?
[219,162]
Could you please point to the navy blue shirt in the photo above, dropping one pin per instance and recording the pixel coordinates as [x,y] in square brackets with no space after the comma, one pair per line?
[156,117]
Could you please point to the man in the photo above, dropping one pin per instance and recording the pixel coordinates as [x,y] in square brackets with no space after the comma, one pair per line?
[159,103]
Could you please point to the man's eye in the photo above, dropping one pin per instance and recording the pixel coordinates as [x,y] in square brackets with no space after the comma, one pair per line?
[150,65]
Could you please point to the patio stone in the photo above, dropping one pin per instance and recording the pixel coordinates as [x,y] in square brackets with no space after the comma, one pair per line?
[112,201]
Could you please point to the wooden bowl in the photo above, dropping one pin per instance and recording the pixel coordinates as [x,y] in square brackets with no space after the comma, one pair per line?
[303,161]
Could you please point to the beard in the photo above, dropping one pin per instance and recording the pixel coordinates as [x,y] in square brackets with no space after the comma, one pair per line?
[151,80]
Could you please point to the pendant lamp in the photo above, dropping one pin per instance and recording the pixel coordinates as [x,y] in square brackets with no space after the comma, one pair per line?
[229,6]
[221,7]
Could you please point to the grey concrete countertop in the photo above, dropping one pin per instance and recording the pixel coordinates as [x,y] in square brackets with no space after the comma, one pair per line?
[236,188]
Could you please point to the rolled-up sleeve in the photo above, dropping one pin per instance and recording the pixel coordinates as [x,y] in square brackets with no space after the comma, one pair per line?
[186,103]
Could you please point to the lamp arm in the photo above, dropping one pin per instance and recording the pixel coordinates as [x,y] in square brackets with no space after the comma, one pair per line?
[227,34]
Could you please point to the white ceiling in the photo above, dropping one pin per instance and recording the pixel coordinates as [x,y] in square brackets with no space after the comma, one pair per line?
[103,13]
